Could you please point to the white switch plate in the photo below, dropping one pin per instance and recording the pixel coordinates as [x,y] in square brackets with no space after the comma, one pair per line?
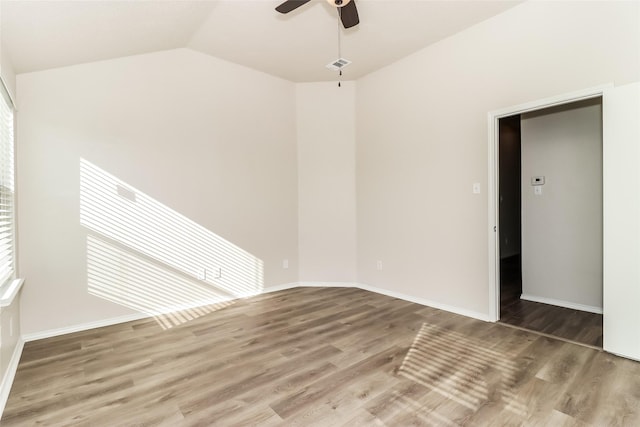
[537,190]
[476,188]
[202,274]
[379,265]
[285,263]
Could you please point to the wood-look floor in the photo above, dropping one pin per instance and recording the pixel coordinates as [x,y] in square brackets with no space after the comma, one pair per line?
[573,325]
[325,357]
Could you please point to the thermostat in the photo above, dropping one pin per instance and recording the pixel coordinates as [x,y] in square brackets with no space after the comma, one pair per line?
[537,180]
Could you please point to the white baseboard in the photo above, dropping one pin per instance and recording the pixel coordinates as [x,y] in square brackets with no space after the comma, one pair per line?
[138,316]
[469,313]
[457,310]
[280,287]
[120,319]
[560,303]
[309,284]
[329,284]
[49,333]
[9,375]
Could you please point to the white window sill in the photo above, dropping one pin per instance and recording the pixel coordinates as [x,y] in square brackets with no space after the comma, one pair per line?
[10,293]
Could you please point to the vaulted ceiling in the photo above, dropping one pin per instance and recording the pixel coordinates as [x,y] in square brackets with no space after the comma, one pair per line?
[39,35]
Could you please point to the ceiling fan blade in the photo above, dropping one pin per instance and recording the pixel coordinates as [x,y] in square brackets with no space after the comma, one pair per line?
[349,15]
[290,5]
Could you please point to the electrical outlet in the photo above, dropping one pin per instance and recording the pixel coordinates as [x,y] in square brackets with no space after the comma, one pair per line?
[379,265]
[285,263]
[476,188]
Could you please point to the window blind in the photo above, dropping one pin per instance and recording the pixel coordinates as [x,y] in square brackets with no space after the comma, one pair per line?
[7,216]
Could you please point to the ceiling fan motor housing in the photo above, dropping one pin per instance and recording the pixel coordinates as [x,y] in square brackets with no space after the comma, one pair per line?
[338,3]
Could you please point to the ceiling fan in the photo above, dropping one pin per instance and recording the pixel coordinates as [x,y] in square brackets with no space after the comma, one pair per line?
[346,9]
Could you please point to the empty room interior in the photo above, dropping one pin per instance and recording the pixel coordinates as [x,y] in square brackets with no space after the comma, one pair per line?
[357,212]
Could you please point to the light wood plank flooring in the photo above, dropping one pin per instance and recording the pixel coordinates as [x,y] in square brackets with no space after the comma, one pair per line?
[325,357]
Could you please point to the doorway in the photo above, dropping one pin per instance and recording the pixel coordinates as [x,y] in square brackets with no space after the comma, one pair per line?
[510,213]
[549,235]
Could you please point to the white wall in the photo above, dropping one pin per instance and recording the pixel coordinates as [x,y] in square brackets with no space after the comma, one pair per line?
[422,137]
[6,70]
[209,149]
[326,181]
[562,226]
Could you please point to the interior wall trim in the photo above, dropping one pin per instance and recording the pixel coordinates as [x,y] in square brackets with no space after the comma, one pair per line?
[138,316]
[50,333]
[428,303]
[406,297]
[560,303]
[493,179]
[10,374]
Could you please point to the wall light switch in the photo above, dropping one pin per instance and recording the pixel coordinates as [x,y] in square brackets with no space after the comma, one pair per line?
[379,265]
[285,263]
[476,188]
[537,190]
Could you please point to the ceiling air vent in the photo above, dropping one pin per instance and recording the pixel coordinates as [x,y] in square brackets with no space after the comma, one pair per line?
[338,64]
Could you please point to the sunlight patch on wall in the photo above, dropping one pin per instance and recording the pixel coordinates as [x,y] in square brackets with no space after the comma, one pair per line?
[111,208]
[120,276]
[462,369]
[145,256]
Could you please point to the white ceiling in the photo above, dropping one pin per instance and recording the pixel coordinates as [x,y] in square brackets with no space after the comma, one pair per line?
[38,35]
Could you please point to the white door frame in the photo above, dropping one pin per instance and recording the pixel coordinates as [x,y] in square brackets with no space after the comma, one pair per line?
[493,190]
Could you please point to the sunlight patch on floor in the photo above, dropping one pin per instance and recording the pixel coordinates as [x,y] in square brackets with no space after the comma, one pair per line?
[461,369]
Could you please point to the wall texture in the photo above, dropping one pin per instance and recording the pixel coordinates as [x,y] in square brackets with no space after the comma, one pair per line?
[326,181]
[422,137]
[129,169]
[562,227]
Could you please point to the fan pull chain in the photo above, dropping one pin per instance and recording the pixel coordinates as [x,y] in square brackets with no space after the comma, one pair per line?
[339,45]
